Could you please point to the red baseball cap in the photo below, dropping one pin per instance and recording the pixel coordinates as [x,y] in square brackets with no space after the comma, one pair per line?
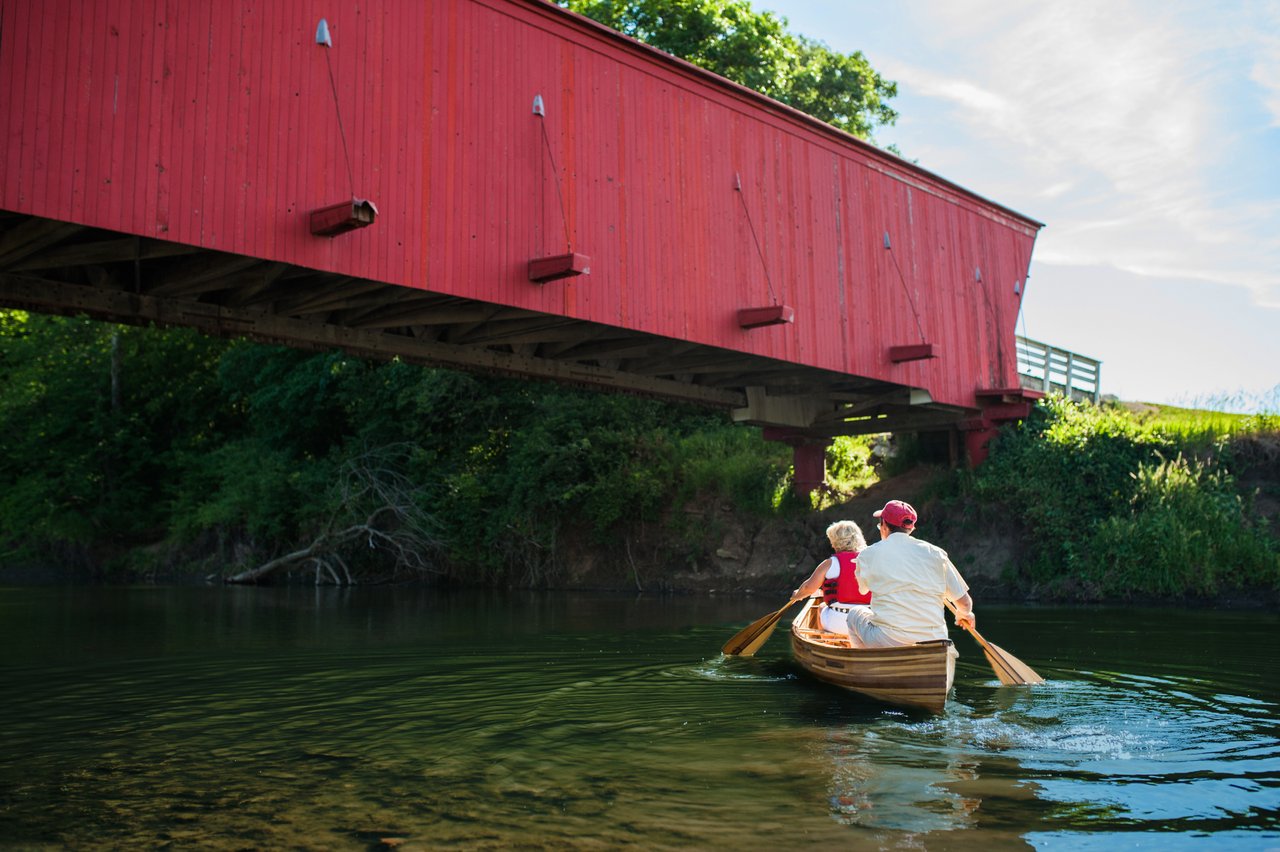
[897,513]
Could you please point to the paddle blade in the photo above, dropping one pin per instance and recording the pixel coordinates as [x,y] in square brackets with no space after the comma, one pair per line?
[751,638]
[1009,668]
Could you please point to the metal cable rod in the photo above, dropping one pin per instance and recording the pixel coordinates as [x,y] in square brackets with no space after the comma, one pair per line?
[759,251]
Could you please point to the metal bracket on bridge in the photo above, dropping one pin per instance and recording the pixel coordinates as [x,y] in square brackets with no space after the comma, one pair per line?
[914,352]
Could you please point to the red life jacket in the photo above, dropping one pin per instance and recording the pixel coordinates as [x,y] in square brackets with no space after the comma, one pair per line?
[844,588]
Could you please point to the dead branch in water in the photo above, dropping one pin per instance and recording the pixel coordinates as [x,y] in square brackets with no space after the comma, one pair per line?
[396,528]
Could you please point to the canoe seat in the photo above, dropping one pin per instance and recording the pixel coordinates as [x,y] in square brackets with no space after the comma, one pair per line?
[834,640]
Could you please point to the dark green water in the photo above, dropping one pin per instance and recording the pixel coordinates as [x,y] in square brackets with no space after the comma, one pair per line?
[216,718]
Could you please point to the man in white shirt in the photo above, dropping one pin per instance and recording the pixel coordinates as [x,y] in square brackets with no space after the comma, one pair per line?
[910,581]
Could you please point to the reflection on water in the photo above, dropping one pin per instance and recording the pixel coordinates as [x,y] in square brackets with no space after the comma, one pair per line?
[259,718]
[878,784]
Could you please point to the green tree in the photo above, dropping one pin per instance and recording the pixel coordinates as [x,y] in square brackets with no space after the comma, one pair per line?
[95,423]
[127,448]
[756,49]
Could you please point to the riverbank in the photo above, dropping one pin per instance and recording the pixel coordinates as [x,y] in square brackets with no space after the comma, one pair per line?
[745,554]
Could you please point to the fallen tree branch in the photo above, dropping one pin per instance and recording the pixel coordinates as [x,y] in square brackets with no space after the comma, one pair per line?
[395,528]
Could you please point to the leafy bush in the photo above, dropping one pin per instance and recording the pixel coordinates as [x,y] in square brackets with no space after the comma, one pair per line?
[569,457]
[265,492]
[850,467]
[734,464]
[1062,469]
[1182,535]
[1122,505]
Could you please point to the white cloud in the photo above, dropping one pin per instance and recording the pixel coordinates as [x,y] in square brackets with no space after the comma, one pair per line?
[1267,76]
[1264,70]
[1114,118]
[1058,189]
[972,98]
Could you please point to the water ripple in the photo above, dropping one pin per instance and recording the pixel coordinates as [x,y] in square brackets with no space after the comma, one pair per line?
[434,734]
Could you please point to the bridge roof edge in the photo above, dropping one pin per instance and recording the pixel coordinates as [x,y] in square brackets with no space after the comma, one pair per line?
[891,161]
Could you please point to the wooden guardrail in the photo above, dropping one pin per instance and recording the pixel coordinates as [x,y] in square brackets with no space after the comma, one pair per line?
[1046,368]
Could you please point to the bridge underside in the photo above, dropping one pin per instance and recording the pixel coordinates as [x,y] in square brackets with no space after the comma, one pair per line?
[62,268]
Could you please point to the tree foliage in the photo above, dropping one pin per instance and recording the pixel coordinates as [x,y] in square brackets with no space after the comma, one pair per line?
[262,456]
[154,449]
[91,426]
[755,49]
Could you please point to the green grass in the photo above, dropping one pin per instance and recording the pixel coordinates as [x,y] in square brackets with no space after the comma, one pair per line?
[1198,424]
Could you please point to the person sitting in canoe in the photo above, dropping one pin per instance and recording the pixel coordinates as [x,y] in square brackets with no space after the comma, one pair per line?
[911,580]
[837,577]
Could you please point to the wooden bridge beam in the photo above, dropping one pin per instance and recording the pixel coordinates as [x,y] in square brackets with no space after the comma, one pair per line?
[59,298]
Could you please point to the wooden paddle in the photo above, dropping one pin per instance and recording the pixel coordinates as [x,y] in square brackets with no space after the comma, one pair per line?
[751,638]
[1007,667]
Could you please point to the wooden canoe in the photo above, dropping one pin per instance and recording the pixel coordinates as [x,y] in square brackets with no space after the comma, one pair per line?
[911,675]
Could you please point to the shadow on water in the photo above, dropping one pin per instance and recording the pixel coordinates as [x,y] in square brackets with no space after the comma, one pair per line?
[212,718]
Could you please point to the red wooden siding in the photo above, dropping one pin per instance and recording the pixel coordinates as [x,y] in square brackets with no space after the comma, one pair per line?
[213,123]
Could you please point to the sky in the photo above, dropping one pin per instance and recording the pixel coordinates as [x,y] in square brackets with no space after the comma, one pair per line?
[1144,134]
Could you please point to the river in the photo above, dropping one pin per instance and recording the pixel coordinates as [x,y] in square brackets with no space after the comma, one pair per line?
[245,718]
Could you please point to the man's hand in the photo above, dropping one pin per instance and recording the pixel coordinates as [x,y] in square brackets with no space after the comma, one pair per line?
[962,609]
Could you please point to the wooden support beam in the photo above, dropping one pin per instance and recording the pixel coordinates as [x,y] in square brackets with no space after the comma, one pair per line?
[459,331]
[777,381]
[116,250]
[544,269]
[1009,394]
[324,296]
[798,411]
[768,315]
[592,336]
[421,312]
[540,336]
[867,405]
[592,342]
[912,352]
[342,217]
[516,331]
[809,461]
[913,420]
[670,366]
[244,293]
[1006,411]
[38,294]
[33,236]
[202,274]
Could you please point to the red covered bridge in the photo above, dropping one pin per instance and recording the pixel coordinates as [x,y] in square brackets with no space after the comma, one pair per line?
[497,185]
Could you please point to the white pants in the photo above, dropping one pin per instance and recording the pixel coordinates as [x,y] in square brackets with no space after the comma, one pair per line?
[835,619]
